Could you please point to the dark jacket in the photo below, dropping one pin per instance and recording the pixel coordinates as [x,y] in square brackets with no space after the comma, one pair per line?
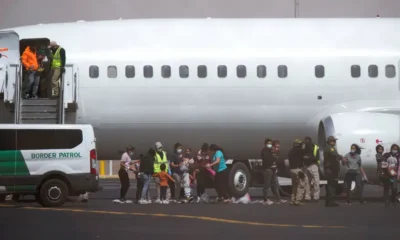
[267,158]
[147,164]
[295,157]
[176,159]
[331,160]
[308,155]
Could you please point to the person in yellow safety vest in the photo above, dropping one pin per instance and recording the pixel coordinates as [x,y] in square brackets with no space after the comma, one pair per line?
[311,162]
[57,66]
[160,158]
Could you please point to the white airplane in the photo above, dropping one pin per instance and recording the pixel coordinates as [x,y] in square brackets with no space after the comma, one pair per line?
[234,82]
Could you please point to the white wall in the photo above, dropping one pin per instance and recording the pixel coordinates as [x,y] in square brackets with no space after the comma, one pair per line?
[24,12]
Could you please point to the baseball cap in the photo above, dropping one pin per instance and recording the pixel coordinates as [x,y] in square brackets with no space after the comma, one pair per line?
[331,138]
[158,145]
[297,141]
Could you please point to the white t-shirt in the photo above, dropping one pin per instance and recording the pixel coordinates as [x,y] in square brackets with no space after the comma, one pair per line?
[126,160]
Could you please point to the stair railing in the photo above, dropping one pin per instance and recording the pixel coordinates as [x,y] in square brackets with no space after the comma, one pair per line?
[18,92]
[61,111]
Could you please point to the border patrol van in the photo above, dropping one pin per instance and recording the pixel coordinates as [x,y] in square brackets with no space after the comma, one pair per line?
[49,161]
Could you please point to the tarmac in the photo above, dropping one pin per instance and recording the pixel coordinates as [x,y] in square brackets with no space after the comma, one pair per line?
[99,218]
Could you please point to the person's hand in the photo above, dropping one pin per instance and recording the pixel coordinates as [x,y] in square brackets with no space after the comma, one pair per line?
[208,165]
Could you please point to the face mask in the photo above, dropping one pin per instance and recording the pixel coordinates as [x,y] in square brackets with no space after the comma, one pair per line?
[353,151]
[269,145]
[394,151]
[131,153]
[159,149]
[179,150]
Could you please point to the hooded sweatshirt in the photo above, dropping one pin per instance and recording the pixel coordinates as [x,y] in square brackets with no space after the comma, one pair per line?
[267,158]
[29,59]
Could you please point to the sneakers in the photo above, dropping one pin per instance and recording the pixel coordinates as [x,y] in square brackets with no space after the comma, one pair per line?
[295,203]
[281,201]
[165,202]
[27,96]
[121,201]
[157,200]
[143,201]
[268,202]
[187,199]
[34,97]
[198,200]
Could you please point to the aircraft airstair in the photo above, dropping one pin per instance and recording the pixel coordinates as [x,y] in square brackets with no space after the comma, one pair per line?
[33,111]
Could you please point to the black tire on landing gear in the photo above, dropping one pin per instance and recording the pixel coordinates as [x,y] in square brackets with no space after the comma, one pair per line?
[239,180]
[53,193]
[2,197]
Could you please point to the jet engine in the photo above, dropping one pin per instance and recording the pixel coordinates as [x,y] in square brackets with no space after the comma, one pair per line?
[365,129]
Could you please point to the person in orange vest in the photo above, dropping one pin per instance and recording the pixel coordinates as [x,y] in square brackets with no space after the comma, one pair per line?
[30,60]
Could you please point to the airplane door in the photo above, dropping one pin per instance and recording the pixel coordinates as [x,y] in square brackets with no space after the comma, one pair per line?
[70,81]
[9,62]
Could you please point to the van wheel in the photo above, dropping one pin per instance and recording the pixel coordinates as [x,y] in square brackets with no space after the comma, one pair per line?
[239,180]
[2,197]
[53,193]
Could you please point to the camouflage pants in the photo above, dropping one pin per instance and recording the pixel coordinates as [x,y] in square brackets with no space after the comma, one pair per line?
[312,182]
[297,186]
[55,82]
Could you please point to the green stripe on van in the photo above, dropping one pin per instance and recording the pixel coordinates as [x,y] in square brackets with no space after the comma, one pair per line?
[12,163]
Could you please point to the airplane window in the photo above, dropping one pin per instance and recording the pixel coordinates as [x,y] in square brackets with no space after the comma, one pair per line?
[355,71]
[112,71]
[202,71]
[373,71]
[130,71]
[222,71]
[148,71]
[319,71]
[241,71]
[184,71]
[390,71]
[282,71]
[93,71]
[261,71]
[166,71]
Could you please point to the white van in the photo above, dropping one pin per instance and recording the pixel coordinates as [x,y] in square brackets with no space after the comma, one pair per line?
[49,161]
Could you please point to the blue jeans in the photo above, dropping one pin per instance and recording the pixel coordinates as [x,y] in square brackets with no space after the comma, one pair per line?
[31,83]
[146,185]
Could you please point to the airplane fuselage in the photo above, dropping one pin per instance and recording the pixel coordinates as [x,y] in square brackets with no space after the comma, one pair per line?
[237,113]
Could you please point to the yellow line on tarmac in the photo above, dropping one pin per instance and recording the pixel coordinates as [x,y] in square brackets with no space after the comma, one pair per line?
[213,219]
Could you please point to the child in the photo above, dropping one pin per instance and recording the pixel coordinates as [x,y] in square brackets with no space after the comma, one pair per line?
[187,160]
[164,177]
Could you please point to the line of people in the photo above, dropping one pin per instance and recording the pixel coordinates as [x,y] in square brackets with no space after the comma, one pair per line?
[42,63]
[174,176]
